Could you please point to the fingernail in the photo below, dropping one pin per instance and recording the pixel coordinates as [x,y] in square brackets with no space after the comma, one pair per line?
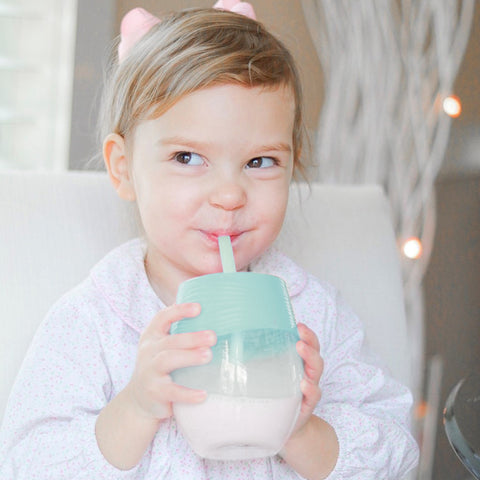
[196,307]
[200,395]
[211,338]
[206,354]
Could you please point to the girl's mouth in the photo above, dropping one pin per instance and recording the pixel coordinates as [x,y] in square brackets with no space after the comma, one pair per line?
[212,236]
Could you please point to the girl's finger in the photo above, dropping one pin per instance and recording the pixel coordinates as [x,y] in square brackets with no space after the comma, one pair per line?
[166,361]
[183,394]
[204,338]
[311,396]
[161,322]
[308,336]
[169,392]
[163,392]
[313,362]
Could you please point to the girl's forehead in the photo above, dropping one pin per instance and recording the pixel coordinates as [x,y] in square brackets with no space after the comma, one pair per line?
[233,99]
[286,90]
[235,113]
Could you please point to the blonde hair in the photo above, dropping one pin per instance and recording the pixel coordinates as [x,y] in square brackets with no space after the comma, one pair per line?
[191,50]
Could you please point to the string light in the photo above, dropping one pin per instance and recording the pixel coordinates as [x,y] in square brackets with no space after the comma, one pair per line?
[412,248]
[452,106]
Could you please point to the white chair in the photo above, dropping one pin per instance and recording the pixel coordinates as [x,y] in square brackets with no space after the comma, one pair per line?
[54,227]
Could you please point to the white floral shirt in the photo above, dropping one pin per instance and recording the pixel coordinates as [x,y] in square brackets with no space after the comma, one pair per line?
[84,353]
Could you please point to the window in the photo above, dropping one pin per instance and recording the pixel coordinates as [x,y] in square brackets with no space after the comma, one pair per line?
[37,43]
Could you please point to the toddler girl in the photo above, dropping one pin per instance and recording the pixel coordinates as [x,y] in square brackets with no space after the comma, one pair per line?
[202,124]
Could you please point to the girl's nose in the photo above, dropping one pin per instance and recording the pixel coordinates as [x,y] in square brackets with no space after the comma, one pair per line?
[228,195]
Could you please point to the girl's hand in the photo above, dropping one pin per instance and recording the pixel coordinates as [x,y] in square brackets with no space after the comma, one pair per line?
[308,348]
[151,389]
[312,449]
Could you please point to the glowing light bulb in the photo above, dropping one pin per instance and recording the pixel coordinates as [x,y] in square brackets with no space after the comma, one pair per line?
[412,248]
[452,106]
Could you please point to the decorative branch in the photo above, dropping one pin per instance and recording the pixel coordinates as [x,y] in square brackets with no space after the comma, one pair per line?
[388,65]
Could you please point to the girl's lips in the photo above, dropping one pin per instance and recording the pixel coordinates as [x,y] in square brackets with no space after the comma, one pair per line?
[212,237]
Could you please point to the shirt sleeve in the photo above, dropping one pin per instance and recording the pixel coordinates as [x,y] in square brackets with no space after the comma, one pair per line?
[369,411]
[48,431]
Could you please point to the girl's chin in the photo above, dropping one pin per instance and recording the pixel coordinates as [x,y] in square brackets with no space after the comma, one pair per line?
[214,266]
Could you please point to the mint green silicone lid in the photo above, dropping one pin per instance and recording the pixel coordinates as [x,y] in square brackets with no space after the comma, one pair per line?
[236,302]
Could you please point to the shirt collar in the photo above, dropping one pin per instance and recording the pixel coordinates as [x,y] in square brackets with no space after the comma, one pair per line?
[123,281]
[274,262]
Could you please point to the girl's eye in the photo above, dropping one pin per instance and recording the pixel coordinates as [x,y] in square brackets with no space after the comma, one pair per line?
[261,162]
[188,158]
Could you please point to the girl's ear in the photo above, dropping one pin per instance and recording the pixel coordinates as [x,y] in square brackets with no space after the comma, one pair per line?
[114,155]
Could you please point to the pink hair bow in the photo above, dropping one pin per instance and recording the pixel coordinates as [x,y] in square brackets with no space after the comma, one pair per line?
[244,8]
[135,24]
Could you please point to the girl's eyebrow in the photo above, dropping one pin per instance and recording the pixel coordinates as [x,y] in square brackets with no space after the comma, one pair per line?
[275,147]
[196,145]
[184,142]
